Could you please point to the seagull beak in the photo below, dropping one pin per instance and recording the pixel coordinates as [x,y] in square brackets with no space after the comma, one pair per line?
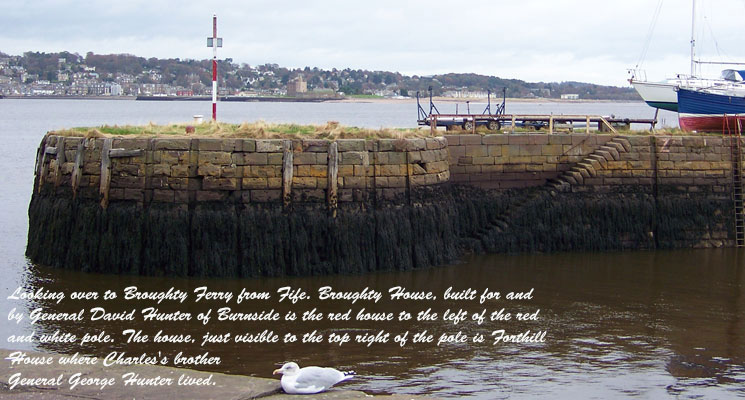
[277,371]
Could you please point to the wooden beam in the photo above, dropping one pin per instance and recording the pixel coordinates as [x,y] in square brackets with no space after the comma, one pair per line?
[60,160]
[77,168]
[332,195]
[287,173]
[105,172]
[42,170]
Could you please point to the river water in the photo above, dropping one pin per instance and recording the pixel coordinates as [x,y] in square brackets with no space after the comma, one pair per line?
[646,324]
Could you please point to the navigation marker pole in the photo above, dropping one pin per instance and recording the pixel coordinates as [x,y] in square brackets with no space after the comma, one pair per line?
[214,42]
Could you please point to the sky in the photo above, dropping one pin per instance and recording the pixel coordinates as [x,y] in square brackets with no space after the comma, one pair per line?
[592,41]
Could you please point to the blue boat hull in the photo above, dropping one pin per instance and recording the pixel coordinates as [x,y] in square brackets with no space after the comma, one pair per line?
[708,112]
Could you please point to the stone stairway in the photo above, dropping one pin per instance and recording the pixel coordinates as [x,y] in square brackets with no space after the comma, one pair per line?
[585,169]
[588,167]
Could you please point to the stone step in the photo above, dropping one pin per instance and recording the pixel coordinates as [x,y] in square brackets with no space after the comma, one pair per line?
[613,152]
[582,171]
[569,178]
[600,159]
[576,176]
[595,163]
[605,153]
[624,142]
[588,166]
[618,146]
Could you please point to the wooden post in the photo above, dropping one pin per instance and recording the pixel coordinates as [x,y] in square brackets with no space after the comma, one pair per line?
[333,174]
[550,124]
[41,159]
[287,173]
[513,124]
[60,160]
[587,124]
[76,168]
[105,172]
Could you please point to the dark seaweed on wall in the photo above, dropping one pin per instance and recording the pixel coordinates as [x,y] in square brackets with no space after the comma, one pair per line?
[432,226]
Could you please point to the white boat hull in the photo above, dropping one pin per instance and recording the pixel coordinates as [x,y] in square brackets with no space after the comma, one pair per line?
[658,94]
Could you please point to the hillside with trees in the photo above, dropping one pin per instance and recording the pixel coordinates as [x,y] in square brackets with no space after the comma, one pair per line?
[67,73]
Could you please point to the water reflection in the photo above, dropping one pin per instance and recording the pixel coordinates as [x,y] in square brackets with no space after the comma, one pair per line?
[646,324]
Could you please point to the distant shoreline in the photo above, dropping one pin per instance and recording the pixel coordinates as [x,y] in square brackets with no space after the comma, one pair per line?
[409,100]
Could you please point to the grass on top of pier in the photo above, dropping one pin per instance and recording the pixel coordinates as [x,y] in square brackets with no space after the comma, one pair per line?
[258,130]
[331,130]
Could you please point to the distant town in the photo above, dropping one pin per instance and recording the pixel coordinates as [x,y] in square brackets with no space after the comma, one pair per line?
[66,74]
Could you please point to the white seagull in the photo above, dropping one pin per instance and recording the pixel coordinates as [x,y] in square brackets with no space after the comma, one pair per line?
[309,380]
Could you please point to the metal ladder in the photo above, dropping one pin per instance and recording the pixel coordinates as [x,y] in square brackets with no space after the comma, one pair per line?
[737,188]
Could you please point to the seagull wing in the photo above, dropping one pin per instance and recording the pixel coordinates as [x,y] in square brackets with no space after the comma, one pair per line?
[316,379]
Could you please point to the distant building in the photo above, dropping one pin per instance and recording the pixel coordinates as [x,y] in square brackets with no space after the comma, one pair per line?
[116,89]
[570,96]
[296,86]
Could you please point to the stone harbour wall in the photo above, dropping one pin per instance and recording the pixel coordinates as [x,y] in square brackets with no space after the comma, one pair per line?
[246,207]
[188,170]
[515,161]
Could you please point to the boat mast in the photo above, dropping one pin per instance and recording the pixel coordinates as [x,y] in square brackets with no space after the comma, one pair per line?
[693,40]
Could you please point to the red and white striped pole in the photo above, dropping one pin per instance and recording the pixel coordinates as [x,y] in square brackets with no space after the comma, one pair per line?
[214,42]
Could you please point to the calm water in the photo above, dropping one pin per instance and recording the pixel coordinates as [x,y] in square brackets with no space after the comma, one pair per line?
[632,324]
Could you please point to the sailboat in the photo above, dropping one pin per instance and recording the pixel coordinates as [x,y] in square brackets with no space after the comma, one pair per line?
[663,95]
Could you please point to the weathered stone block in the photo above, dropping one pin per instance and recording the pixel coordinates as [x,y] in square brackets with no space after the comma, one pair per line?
[274,158]
[453,140]
[477,150]
[354,182]
[211,195]
[353,157]
[390,170]
[274,183]
[210,144]
[206,170]
[319,171]
[429,144]
[268,145]
[304,158]
[215,157]
[309,195]
[477,161]
[386,144]
[119,181]
[304,182]
[213,183]
[315,145]
[346,170]
[126,169]
[364,170]
[397,157]
[254,183]
[470,140]
[172,144]
[184,171]
[174,157]
[248,145]
[494,139]
[351,145]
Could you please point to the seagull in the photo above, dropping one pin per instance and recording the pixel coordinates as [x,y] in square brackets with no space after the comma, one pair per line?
[309,380]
